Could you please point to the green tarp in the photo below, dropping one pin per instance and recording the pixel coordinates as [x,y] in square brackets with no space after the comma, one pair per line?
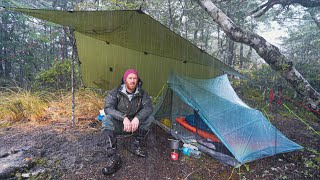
[109,42]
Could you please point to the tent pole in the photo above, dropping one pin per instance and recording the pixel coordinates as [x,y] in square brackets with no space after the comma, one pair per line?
[172,120]
[196,119]
[72,89]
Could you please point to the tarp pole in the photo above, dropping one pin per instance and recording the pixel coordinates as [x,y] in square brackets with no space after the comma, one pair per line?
[72,89]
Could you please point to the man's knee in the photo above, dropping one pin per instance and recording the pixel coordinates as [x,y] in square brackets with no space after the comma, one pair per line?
[107,123]
[145,125]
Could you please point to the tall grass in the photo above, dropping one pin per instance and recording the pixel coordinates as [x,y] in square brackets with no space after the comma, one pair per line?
[19,104]
[87,104]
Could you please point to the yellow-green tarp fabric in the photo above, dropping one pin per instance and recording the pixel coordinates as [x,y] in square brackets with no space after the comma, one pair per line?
[109,42]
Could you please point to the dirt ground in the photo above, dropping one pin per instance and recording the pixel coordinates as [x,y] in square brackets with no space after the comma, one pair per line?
[57,151]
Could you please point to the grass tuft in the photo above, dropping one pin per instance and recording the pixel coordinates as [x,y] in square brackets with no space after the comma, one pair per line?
[87,104]
[18,104]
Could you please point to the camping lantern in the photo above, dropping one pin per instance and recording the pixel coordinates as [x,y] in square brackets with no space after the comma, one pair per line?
[174,145]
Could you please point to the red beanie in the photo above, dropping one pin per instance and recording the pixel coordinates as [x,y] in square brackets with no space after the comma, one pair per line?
[129,71]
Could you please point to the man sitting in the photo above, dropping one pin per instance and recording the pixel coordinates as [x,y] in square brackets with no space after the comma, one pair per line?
[128,108]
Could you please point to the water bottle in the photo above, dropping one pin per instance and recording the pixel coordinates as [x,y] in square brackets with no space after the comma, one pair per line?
[190,146]
[191,152]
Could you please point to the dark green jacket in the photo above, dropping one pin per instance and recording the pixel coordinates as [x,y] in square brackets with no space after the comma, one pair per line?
[117,104]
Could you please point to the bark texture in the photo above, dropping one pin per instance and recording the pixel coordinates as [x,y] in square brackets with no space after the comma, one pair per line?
[270,53]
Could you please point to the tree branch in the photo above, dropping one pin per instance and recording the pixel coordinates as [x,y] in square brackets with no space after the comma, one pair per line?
[315,19]
[270,3]
[270,53]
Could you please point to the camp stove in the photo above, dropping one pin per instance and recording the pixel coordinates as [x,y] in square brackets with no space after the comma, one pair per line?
[174,145]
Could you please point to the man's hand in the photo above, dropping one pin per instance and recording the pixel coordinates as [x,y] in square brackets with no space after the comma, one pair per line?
[127,125]
[134,124]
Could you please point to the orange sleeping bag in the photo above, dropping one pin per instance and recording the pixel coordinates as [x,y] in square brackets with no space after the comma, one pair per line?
[182,121]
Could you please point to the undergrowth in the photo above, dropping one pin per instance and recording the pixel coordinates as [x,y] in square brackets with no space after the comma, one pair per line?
[87,103]
[18,104]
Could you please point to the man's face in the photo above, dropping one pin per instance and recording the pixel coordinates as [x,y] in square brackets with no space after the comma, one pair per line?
[131,82]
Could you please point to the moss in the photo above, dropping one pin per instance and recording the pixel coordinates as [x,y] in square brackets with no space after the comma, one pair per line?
[284,114]
[5,124]
[40,162]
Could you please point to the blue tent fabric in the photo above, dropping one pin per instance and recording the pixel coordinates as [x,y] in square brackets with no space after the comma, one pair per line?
[191,119]
[245,131]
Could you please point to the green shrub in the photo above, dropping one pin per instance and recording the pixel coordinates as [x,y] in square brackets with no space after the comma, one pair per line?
[57,77]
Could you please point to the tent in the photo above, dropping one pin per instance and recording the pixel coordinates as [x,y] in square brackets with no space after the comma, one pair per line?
[109,42]
[244,133]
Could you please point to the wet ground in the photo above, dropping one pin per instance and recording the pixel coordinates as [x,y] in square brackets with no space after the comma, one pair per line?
[54,150]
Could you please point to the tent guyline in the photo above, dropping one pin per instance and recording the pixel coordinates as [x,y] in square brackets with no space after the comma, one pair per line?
[278,101]
[272,98]
[300,104]
[303,121]
[280,96]
[21,51]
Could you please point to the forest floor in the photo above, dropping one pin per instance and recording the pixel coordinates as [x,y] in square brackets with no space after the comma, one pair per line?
[53,150]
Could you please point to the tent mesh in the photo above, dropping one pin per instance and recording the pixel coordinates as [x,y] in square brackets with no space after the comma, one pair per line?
[245,134]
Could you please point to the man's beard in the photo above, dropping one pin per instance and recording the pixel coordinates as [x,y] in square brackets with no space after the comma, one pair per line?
[132,86]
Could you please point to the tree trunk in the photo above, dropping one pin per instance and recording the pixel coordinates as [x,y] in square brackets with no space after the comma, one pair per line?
[7,70]
[2,55]
[270,53]
[207,41]
[249,53]
[230,53]
[218,31]
[1,62]
[241,55]
[170,23]
[51,43]
[62,43]
[20,76]
[65,42]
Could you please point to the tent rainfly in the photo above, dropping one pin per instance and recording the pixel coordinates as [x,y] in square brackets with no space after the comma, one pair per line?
[109,42]
[244,133]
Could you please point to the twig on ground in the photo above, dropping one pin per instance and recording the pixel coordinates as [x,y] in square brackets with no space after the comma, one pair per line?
[196,171]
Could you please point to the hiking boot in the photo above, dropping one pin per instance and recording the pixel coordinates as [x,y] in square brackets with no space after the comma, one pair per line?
[110,142]
[135,147]
[114,160]
[113,165]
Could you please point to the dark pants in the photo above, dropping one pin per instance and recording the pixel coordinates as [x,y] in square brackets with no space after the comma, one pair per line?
[110,123]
